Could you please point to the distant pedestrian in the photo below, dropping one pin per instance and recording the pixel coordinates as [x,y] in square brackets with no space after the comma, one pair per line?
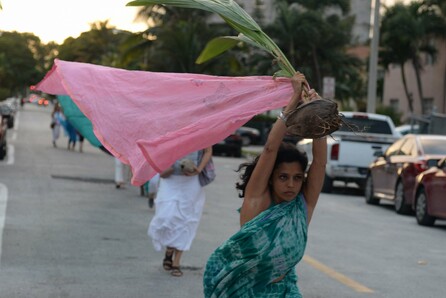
[81,141]
[72,134]
[119,173]
[57,119]
[150,189]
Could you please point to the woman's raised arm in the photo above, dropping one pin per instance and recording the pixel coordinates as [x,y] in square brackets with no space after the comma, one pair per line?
[316,175]
[257,197]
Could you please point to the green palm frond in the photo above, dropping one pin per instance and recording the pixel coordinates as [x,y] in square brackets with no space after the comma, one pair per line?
[216,47]
[237,18]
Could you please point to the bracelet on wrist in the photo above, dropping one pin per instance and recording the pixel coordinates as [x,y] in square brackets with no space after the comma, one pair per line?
[282,117]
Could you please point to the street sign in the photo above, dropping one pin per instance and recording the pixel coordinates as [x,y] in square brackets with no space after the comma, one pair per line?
[328,87]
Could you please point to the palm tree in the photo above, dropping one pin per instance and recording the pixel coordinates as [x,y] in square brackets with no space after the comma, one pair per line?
[431,25]
[100,45]
[440,6]
[407,34]
[316,41]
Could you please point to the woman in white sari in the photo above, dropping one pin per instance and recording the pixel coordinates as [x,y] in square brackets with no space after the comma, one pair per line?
[179,205]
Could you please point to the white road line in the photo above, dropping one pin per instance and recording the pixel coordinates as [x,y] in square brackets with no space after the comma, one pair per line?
[3,201]
[10,155]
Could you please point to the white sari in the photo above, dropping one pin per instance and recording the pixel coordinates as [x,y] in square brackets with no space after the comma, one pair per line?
[179,205]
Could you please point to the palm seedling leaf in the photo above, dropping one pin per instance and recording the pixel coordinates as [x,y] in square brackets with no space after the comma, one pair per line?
[236,17]
[216,47]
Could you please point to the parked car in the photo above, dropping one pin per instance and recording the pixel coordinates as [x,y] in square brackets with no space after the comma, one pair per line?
[430,199]
[407,129]
[8,111]
[43,102]
[230,146]
[249,135]
[352,148]
[392,175]
[3,132]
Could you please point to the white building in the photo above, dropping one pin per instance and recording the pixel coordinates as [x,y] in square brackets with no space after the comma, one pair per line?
[433,80]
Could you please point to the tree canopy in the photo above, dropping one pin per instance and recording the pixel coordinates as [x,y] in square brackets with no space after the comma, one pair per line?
[20,55]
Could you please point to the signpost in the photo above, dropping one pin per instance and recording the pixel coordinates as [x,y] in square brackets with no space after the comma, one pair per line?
[328,89]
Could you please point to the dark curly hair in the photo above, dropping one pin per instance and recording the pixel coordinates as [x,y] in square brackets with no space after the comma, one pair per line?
[287,153]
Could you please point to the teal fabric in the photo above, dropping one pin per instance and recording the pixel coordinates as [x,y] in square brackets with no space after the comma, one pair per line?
[78,119]
[265,248]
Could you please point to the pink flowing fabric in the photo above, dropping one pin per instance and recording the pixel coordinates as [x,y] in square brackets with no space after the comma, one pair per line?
[148,120]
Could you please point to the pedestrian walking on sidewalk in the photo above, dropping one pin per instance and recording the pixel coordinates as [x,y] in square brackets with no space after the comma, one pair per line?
[260,259]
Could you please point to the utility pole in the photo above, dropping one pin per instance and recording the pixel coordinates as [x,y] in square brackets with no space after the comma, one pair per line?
[373,62]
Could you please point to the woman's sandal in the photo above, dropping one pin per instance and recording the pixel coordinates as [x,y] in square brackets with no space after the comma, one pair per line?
[167,261]
[176,271]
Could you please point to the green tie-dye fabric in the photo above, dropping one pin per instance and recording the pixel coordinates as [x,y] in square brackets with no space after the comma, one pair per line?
[267,247]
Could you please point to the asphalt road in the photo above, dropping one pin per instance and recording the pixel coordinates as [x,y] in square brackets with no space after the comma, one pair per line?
[65,231]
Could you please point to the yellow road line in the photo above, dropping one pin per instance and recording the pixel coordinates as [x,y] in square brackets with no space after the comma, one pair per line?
[337,276]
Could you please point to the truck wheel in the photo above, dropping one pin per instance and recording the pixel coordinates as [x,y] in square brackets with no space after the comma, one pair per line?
[361,185]
[369,193]
[327,187]
[400,200]
[423,218]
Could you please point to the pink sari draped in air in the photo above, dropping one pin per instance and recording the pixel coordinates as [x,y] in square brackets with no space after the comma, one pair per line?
[150,119]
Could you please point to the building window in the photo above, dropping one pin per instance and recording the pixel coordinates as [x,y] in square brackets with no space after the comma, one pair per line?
[395,104]
[427,106]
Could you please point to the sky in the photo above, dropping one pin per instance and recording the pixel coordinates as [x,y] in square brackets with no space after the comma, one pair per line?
[56,20]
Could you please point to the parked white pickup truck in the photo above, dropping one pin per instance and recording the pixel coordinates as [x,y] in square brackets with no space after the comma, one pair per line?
[354,146]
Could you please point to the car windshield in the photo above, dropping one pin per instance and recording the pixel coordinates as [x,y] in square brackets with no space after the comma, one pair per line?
[433,146]
[5,109]
[366,125]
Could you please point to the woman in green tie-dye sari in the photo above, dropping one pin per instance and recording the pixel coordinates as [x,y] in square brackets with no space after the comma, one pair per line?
[260,259]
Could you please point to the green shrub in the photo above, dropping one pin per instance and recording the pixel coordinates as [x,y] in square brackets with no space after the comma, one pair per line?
[389,111]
